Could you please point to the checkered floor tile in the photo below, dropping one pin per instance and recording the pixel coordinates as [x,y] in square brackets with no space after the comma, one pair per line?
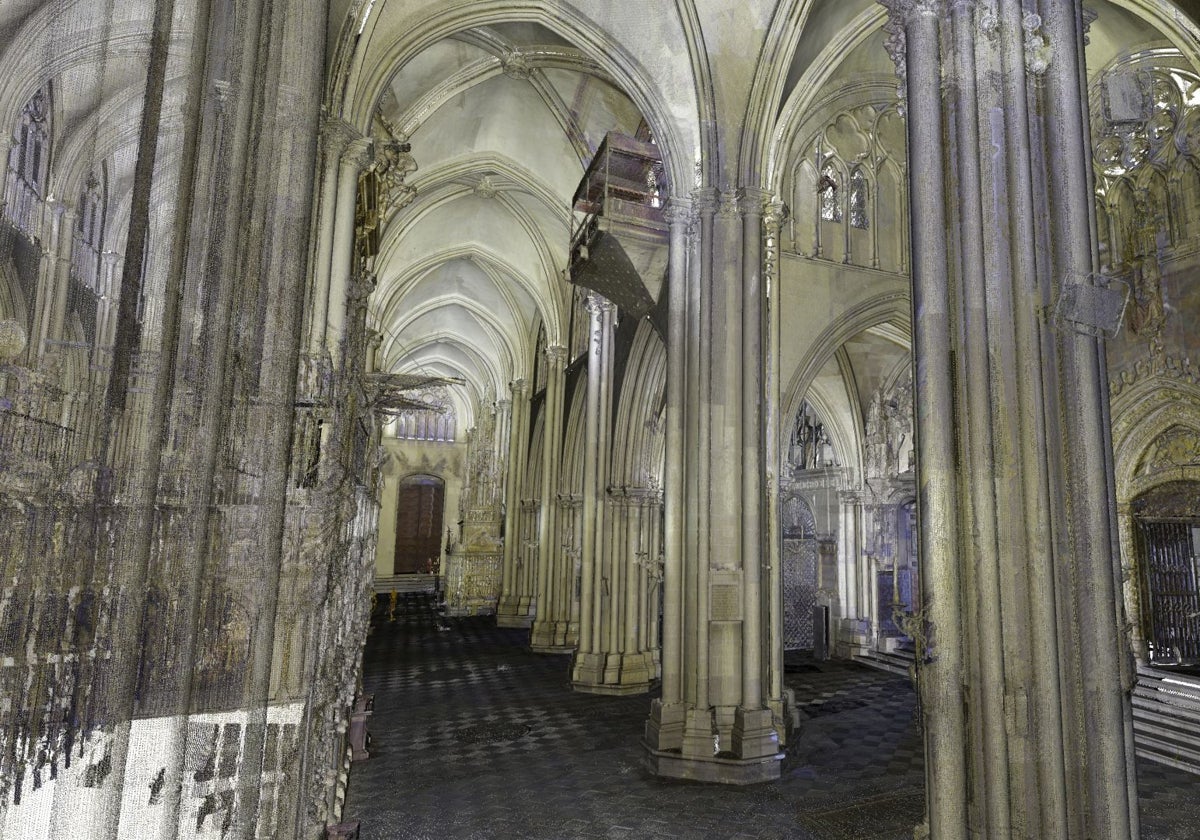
[475,737]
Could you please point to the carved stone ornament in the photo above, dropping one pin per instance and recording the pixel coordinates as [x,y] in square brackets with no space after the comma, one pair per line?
[393,165]
[1157,365]
[486,188]
[1178,446]
[516,65]
[13,339]
[1037,46]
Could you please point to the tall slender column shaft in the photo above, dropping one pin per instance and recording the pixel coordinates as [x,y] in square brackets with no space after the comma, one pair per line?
[1015,473]
[664,729]
[355,159]
[1112,805]
[942,693]
[773,219]
[62,274]
[542,635]
[674,491]
[589,586]
[752,200]
[512,581]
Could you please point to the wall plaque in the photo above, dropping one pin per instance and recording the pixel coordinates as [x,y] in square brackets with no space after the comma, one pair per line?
[725,602]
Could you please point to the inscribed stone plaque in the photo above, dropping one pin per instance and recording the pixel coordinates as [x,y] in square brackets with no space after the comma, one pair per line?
[725,602]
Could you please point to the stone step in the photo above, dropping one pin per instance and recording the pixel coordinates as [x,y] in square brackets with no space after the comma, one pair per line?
[1166,718]
[405,583]
[897,662]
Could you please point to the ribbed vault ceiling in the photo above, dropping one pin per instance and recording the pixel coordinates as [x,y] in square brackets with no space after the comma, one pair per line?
[502,121]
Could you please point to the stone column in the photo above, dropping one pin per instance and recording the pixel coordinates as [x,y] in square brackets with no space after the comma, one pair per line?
[729,731]
[850,638]
[62,272]
[513,594]
[610,659]
[698,742]
[53,278]
[664,729]
[359,154]
[596,583]
[773,219]
[1016,509]
[541,637]
[753,730]
[336,137]
[106,311]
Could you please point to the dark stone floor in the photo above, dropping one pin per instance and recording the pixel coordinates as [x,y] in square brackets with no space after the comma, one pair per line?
[475,737]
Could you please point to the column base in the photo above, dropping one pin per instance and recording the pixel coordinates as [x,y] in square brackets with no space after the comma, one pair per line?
[699,740]
[613,673]
[754,734]
[786,715]
[718,769]
[664,729]
[511,613]
[542,639]
[565,634]
[513,618]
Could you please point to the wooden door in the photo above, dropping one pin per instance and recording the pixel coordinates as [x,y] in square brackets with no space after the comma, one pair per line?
[419,524]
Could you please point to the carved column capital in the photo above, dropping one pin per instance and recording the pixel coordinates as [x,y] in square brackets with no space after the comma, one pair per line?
[337,134]
[556,354]
[729,206]
[678,210]
[359,153]
[704,201]
[774,215]
[752,201]
[519,388]
[598,304]
[904,11]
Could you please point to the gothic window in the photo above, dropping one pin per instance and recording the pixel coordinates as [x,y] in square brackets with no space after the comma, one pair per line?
[32,145]
[827,187]
[858,200]
[28,164]
[89,233]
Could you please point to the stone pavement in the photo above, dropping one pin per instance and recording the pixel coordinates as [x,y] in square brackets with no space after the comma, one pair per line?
[475,737]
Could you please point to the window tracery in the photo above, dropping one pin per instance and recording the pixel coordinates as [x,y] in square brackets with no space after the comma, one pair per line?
[89,233]
[847,190]
[435,420]
[28,164]
[831,205]
[858,200]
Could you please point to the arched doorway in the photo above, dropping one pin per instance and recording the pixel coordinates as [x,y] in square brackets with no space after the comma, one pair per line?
[419,514]
[1167,536]
[800,555]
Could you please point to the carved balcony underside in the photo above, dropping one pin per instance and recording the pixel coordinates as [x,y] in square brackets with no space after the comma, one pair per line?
[619,247]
